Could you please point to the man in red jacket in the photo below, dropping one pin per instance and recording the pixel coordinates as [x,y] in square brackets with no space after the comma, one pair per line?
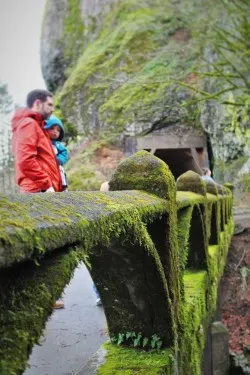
[36,166]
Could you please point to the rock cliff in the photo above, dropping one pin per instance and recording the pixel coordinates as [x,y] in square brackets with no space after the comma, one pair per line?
[117,66]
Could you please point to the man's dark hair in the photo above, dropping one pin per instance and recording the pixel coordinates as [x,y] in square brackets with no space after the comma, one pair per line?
[37,94]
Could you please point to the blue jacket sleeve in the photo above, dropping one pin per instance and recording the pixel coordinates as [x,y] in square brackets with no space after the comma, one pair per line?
[62,155]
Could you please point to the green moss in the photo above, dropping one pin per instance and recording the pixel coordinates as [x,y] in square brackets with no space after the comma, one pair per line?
[26,303]
[130,361]
[184,223]
[142,171]
[211,187]
[109,226]
[222,189]
[128,71]
[150,89]
[84,171]
[246,182]
[73,39]
[200,301]
[188,198]
[192,339]
[84,178]
[20,234]
[229,186]
[191,181]
[182,299]
[211,198]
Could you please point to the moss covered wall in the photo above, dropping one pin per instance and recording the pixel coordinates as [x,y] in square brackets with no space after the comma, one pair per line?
[123,82]
[30,232]
[167,276]
[124,79]
[201,263]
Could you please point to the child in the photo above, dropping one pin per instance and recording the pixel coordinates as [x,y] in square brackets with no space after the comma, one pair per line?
[55,129]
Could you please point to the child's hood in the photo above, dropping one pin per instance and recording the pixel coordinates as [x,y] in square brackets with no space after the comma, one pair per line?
[53,120]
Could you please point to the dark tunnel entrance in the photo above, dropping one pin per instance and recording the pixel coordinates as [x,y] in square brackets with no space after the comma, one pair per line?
[182,160]
[181,148]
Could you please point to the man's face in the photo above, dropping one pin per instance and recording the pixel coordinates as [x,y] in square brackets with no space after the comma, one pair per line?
[46,108]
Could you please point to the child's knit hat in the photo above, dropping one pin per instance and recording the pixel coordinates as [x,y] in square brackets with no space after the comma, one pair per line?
[53,120]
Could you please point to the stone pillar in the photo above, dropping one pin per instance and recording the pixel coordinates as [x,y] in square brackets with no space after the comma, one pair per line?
[198,244]
[220,351]
[139,278]
[143,171]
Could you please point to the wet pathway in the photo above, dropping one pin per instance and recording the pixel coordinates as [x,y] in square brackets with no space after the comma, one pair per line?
[71,335]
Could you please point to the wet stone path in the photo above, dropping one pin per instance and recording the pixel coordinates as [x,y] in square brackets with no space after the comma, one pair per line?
[72,335]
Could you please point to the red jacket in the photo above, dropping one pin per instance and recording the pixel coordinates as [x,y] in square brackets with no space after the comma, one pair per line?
[35,162]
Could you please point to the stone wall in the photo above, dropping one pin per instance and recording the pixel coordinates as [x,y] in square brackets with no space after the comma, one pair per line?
[155,254]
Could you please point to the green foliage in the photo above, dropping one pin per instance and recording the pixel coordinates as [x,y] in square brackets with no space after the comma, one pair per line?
[6,102]
[244,271]
[84,178]
[232,46]
[82,172]
[228,72]
[134,339]
[6,107]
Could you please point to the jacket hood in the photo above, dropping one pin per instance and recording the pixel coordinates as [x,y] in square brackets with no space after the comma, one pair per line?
[23,113]
[53,120]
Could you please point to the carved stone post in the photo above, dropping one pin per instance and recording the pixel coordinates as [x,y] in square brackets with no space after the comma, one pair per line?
[139,280]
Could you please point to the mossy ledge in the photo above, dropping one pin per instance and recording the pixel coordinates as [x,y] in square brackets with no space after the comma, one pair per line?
[88,217]
[127,361]
[139,232]
[26,300]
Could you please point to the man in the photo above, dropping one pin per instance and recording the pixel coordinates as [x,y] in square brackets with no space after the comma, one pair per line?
[35,163]
[37,169]
[206,175]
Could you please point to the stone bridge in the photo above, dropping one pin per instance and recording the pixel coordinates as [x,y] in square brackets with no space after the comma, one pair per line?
[156,250]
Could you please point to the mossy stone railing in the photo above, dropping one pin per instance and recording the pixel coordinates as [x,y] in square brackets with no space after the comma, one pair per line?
[156,256]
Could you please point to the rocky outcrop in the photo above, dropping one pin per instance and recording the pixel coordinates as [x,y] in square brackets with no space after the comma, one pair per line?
[53,63]
[118,66]
[130,55]
[67,28]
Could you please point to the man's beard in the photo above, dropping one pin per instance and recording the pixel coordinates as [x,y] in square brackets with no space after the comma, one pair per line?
[46,116]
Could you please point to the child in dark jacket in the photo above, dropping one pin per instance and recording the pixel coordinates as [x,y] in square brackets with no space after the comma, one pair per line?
[55,129]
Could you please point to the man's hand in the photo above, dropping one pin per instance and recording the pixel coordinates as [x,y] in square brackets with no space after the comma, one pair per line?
[50,190]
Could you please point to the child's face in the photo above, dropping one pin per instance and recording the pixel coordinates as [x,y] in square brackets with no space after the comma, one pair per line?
[54,132]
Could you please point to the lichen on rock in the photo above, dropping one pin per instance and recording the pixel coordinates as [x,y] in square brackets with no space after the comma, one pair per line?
[191,181]
[143,171]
